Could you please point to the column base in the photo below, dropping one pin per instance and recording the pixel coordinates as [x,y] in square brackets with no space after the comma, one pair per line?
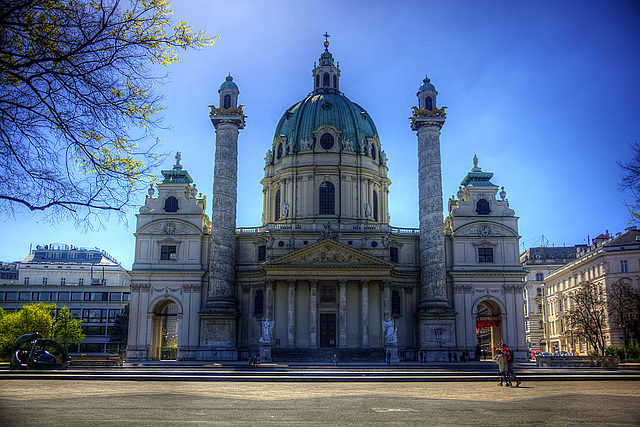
[217,337]
[265,353]
[437,332]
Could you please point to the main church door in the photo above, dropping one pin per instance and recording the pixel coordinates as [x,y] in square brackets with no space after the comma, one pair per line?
[327,330]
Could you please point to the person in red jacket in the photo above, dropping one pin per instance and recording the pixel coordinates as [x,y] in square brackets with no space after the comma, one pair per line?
[508,355]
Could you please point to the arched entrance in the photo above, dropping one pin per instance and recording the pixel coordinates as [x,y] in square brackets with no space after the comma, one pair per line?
[164,332]
[488,326]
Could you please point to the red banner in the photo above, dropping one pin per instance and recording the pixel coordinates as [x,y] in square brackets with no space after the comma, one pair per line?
[486,323]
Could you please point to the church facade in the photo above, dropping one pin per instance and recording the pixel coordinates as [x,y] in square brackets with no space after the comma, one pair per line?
[325,272]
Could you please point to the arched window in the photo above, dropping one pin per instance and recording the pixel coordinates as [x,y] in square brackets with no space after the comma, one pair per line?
[395,303]
[539,277]
[482,207]
[326,141]
[317,81]
[279,153]
[335,81]
[258,304]
[327,199]
[428,103]
[227,101]
[171,204]
[277,205]
[373,152]
[375,205]
[325,80]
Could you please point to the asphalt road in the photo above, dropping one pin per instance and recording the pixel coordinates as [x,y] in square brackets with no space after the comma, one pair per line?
[151,403]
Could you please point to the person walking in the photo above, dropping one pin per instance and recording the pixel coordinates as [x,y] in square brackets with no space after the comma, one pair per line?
[502,368]
[388,358]
[508,355]
[449,356]
[335,360]
[421,356]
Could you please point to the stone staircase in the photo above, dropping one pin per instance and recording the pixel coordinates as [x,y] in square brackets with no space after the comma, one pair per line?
[325,355]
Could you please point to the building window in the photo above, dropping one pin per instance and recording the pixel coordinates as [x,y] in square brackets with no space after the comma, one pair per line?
[325,80]
[44,280]
[63,281]
[262,253]
[395,303]
[113,313]
[76,296]
[335,81]
[317,81]
[393,254]
[25,296]
[428,103]
[10,296]
[26,280]
[375,205]
[168,253]
[539,277]
[63,296]
[171,204]
[623,266]
[485,254]
[227,101]
[258,303]
[96,296]
[277,205]
[482,207]
[327,141]
[327,199]
[126,296]
[279,151]
[115,296]
[81,281]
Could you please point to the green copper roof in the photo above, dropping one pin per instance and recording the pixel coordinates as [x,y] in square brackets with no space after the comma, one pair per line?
[301,119]
[177,175]
[427,86]
[478,179]
[228,84]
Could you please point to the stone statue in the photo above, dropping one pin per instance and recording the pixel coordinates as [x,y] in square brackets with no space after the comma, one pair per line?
[305,145]
[268,157]
[390,332]
[475,161]
[267,327]
[383,157]
[178,158]
[292,241]
[367,210]
[347,145]
[284,209]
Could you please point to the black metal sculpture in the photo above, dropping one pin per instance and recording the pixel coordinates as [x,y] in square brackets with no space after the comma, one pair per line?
[42,353]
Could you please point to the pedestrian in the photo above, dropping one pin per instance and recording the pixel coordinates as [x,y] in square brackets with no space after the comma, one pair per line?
[508,355]
[484,354]
[421,356]
[335,359]
[455,357]
[502,368]
[388,359]
[250,359]
[449,356]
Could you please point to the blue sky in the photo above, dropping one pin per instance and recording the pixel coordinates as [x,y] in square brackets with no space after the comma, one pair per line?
[547,94]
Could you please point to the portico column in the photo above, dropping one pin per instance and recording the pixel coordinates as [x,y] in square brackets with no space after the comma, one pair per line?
[313,312]
[342,315]
[268,296]
[386,289]
[291,313]
[365,312]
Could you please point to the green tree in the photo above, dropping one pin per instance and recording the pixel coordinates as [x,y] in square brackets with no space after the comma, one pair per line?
[31,318]
[78,95]
[622,302]
[587,317]
[67,329]
[119,332]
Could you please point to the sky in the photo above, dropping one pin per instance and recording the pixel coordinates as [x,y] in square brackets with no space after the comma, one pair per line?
[546,94]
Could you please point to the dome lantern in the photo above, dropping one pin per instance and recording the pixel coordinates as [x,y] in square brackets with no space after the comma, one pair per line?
[326,76]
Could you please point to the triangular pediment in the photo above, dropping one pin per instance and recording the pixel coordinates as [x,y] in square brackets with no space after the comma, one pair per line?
[328,253]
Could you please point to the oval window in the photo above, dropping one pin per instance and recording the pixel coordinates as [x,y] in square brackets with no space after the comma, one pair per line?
[326,141]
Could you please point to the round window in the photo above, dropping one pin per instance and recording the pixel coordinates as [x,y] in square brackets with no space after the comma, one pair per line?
[326,141]
[374,244]
[279,150]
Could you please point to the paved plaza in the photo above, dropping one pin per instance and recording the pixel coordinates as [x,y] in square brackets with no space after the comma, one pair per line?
[160,403]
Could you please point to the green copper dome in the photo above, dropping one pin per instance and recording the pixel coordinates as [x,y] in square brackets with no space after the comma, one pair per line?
[228,84]
[427,86]
[301,119]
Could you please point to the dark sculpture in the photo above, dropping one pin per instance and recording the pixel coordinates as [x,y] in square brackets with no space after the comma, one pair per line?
[42,353]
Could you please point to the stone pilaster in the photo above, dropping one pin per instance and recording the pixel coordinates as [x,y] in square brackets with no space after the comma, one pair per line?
[342,315]
[364,319]
[291,314]
[313,313]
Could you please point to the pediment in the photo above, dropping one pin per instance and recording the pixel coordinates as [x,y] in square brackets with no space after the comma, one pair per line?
[328,253]
[169,227]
